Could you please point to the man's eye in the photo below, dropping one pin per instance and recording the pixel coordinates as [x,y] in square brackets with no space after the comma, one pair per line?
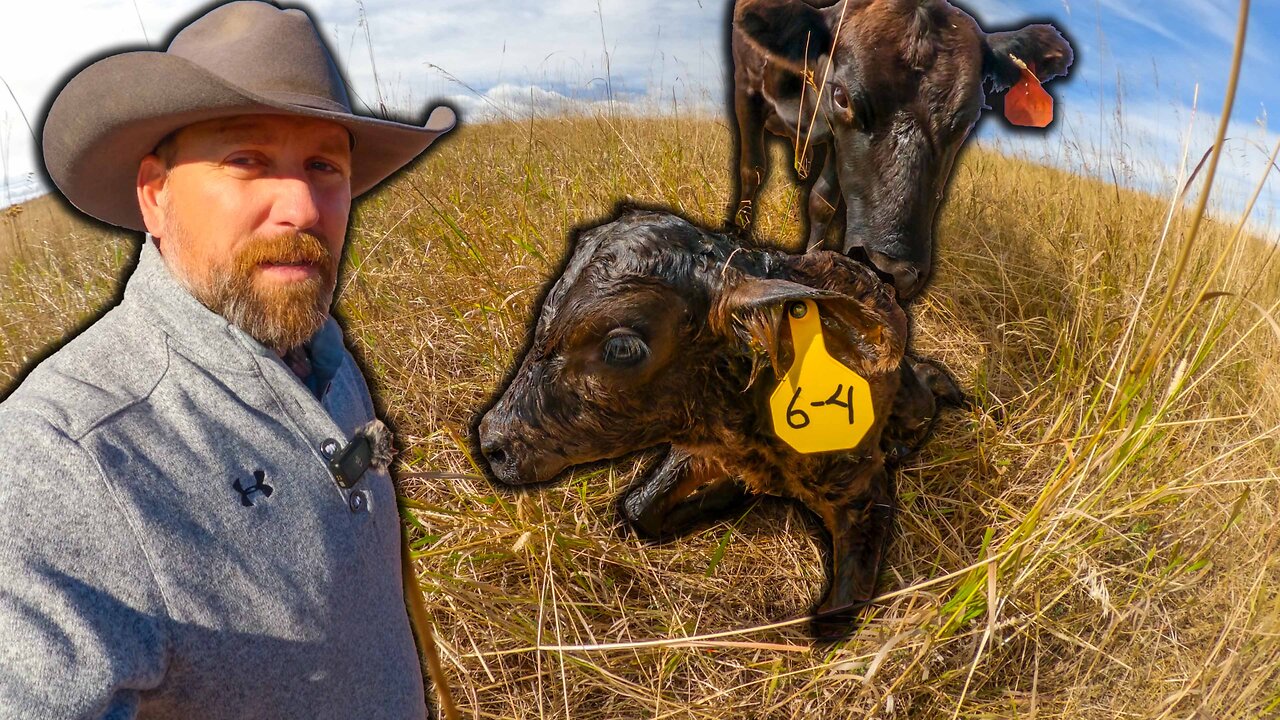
[244,161]
[323,166]
[626,350]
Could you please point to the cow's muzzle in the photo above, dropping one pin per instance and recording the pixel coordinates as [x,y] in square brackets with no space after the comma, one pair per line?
[907,277]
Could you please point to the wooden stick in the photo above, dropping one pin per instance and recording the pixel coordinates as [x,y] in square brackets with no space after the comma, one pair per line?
[420,619]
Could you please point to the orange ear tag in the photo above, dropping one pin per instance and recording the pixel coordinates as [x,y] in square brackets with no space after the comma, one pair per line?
[820,405]
[1027,104]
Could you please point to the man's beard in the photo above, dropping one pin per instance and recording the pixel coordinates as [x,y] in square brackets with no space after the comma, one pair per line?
[281,316]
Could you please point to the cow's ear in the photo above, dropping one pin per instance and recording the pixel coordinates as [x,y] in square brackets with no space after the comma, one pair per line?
[1041,47]
[753,311]
[791,32]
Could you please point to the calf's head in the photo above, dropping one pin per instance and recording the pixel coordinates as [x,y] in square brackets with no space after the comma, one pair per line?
[904,88]
[654,333]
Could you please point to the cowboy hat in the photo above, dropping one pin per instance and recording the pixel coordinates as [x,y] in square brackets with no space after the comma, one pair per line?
[241,58]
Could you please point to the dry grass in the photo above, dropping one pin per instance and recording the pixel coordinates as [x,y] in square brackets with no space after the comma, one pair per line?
[1088,543]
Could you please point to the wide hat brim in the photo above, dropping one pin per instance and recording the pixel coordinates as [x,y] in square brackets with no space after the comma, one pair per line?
[114,112]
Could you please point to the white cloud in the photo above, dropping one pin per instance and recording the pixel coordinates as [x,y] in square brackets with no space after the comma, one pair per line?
[519,102]
[1144,18]
[422,51]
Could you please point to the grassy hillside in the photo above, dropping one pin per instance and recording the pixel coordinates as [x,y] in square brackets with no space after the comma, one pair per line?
[1098,539]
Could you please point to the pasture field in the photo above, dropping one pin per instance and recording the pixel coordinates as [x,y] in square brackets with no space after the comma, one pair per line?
[1098,538]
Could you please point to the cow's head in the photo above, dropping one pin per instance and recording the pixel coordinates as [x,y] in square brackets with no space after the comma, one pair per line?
[904,88]
[653,332]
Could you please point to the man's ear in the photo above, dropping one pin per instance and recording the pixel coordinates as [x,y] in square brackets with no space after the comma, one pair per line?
[791,32]
[753,310]
[152,176]
[1041,47]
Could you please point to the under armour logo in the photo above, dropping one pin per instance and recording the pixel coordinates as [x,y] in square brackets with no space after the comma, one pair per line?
[259,486]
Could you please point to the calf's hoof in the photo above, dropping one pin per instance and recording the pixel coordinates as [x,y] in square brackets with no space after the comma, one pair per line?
[831,624]
[895,453]
[641,513]
[946,391]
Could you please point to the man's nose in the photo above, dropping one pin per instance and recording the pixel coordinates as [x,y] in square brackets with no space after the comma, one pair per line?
[295,202]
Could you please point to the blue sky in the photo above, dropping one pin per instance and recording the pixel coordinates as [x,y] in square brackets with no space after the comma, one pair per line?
[1125,112]
[1127,105]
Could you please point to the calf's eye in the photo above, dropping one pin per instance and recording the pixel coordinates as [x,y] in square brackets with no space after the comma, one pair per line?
[840,97]
[625,350]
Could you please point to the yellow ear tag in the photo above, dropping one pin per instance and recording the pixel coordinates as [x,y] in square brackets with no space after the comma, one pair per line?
[820,405]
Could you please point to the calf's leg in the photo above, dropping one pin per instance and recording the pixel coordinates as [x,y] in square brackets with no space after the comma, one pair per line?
[860,522]
[681,491]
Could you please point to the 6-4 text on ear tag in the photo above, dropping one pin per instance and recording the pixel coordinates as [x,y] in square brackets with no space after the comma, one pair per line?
[820,405]
[1027,104]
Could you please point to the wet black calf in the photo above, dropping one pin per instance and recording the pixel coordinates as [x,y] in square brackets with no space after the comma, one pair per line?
[660,332]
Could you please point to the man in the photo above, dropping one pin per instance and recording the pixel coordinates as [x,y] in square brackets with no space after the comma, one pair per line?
[173,543]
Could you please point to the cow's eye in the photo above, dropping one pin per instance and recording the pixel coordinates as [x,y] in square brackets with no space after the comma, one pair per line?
[625,349]
[840,97]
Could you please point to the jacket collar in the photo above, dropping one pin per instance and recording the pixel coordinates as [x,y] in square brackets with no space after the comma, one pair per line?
[206,336]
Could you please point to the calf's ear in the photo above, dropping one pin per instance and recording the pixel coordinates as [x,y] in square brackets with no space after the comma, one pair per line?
[791,32]
[753,311]
[1041,47]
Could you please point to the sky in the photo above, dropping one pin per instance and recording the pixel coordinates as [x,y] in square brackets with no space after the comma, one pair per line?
[1148,80]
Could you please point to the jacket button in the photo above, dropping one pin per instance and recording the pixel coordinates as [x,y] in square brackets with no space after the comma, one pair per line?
[328,448]
[358,501]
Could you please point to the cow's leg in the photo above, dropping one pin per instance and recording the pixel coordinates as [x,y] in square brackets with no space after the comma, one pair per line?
[824,199]
[681,491]
[924,386]
[860,521]
[753,162]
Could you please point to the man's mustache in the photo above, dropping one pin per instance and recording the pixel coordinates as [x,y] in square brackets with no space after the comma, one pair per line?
[289,248]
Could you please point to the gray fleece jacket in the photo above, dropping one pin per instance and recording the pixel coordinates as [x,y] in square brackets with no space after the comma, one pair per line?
[172,543]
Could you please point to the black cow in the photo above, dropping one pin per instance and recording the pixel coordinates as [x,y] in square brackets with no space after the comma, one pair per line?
[883,93]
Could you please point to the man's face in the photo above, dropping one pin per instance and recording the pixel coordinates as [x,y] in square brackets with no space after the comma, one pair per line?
[251,215]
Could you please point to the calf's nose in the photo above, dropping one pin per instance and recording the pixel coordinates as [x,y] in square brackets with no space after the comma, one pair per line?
[496,448]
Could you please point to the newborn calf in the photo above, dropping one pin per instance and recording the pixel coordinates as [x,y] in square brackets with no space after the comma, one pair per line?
[660,332]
